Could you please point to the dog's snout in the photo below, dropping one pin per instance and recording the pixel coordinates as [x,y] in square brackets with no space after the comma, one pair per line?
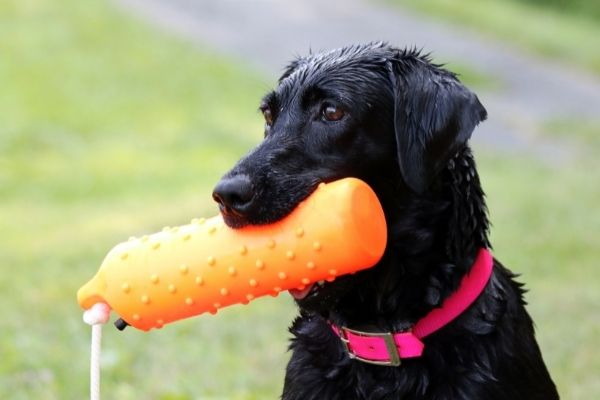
[234,194]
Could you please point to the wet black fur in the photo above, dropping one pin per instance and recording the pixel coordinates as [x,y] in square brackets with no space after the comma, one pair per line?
[405,133]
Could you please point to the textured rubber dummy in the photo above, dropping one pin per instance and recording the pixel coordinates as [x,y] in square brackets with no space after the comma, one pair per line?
[204,266]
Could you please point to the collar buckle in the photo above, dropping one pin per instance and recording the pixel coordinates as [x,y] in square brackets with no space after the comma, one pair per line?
[390,344]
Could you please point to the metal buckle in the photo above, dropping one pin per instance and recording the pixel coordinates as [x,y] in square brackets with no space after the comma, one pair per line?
[390,345]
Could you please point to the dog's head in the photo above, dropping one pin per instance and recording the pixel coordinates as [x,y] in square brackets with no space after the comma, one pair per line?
[389,117]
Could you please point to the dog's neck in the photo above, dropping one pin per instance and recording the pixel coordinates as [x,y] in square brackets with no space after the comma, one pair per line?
[432,244]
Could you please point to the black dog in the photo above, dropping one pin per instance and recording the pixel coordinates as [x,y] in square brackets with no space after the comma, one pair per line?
[395,120]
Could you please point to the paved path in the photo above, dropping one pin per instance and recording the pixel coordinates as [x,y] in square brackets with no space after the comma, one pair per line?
[268,33]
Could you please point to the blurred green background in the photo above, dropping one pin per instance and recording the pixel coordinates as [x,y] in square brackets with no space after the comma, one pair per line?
[109,128]
[564,30]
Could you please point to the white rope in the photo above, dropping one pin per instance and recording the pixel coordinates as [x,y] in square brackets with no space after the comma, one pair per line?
[96,317]
[95,362]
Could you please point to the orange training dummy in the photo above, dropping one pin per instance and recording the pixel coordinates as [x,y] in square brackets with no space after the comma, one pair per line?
[191,269]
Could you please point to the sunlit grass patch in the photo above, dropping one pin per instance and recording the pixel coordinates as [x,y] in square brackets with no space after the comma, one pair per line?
[572,38]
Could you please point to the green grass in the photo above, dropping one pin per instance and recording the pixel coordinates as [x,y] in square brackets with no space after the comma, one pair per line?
[472,77]
[585,133]
[546,227]
[589,8]
[572,38]
[110,129]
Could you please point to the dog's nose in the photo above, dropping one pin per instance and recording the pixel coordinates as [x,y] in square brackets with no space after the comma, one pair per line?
[234,194]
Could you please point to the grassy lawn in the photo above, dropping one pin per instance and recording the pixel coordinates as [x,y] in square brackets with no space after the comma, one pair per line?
[546,226]
[110,129]
[571,37]
[472,77]
[583,132]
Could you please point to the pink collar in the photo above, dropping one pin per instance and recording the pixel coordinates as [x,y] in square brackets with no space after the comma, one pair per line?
[389,348]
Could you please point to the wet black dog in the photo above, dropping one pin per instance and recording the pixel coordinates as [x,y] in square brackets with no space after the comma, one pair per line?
[400,123]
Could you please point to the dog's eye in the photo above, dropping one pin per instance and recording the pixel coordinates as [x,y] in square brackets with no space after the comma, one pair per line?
[332,113]
[268,116]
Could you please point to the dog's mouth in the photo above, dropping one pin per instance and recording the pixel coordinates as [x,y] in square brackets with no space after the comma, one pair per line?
[310,290]
[268,205]
[322,296]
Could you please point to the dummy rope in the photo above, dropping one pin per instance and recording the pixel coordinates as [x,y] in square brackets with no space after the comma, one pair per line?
[96,317]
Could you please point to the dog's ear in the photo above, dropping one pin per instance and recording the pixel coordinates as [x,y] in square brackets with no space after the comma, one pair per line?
[434,116]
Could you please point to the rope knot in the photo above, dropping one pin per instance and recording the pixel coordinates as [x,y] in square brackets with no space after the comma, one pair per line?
[99,313]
